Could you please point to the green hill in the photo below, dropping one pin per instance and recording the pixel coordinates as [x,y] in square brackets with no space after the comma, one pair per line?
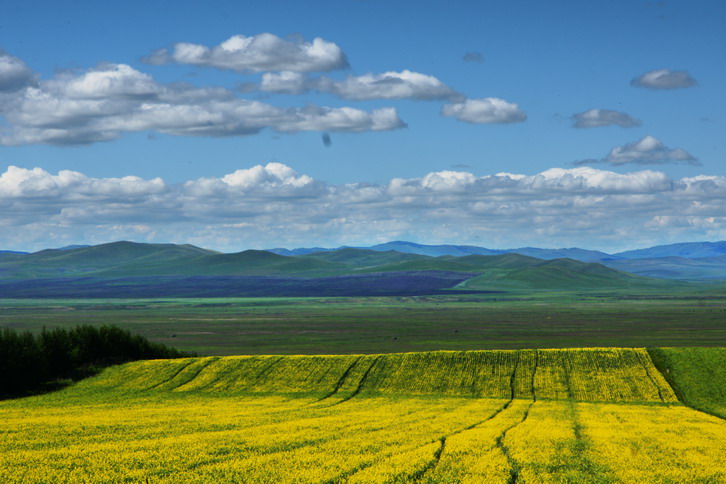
[98,258]
[469,263]
[120,260]
[559,274]
[249,262]
[364,258]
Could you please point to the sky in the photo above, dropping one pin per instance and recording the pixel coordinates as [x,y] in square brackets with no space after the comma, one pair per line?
[261,124]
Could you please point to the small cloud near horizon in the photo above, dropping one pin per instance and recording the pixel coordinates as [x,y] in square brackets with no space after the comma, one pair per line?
[646,151]
[595,118]
[664,79]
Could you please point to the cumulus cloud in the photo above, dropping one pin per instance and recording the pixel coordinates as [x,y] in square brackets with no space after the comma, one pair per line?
[258,53]
[273,205]
[14,74]
[388,85]
[110,80]
[286,82]
[595,118]
[485,111]
[664,79]
[647,151]
[112,99]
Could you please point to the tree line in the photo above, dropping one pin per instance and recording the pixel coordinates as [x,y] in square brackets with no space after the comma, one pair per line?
[33,363]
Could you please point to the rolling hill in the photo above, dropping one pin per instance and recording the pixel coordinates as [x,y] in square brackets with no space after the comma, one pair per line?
[128,269]
[559,274]
[687,261]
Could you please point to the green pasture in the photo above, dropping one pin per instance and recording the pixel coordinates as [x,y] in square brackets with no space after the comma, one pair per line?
[238,326]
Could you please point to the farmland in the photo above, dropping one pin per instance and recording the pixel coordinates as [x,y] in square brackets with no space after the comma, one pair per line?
[577,415]
[229,326]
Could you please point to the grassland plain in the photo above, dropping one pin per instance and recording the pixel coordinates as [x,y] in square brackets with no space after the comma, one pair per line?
[568,415]
[395,324]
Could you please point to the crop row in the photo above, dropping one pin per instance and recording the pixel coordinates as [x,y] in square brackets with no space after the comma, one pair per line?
[189,438]
[600,374]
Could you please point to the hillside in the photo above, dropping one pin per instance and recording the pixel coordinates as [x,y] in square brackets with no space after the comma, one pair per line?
[364,258]
[596,374]
[99,258]
[698,375]
[559,274]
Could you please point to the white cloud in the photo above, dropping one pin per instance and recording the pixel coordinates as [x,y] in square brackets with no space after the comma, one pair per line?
[285,82]
[646,151]
[485,111]
[259,53]
[272,205]
[111,80]
[314,118]
[595,118]
[112,99]
[388,85]
[664,79]
[14,74]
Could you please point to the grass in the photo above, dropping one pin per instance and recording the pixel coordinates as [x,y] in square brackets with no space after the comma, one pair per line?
[698,375]
[228,326]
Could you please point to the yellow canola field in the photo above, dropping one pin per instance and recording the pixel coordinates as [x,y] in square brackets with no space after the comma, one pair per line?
[557,416]
[442,439]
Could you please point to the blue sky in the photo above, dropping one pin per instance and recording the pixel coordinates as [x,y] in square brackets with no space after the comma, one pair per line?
[501,124]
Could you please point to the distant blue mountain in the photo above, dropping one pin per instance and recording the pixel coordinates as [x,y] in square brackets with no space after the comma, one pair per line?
[434,250]
[72,247]
[673,267]
[689,250]
[694,260]
[582,255]
[300,251]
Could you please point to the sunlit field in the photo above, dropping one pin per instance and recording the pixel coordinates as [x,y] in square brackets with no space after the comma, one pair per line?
[596,415]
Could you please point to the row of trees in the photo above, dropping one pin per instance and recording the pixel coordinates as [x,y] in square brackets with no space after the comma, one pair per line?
[32,363]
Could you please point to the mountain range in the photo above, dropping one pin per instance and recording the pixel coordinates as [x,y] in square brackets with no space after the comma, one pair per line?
[128,269]
[686,261]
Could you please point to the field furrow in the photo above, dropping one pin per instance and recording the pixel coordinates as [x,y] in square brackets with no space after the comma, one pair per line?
[530,416]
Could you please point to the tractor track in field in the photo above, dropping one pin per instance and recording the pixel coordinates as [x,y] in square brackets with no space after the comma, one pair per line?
[266,369]
[176,373]
[211,360]
[341,380]
[498,443]
[361,382]
[515,468]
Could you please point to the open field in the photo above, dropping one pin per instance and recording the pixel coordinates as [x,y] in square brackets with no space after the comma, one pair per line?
[596,415]
[228,326]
